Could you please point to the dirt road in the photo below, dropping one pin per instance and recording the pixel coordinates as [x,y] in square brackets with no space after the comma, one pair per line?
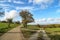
[14,34]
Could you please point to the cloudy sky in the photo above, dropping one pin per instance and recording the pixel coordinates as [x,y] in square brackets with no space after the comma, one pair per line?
[44,11]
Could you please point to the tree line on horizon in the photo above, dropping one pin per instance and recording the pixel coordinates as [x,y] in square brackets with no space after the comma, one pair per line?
[49,26]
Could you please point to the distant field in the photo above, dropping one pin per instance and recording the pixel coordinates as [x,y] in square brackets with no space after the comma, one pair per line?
[4,27]
[53,33]
[52,29]
[33,27]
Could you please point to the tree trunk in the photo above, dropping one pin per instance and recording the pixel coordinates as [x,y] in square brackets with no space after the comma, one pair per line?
[9,24]
[25,25]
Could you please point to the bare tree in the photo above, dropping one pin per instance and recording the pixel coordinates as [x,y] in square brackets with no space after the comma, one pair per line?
[26,17]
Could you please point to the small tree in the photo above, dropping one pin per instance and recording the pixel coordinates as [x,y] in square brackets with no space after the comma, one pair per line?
[17,22]
[9,22]
[26,17]
[38,26]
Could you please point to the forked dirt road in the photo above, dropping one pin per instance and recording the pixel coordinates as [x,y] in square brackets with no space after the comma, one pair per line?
[36,35]
[14,34]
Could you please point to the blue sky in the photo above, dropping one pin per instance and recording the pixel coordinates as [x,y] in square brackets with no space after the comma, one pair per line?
[44,11]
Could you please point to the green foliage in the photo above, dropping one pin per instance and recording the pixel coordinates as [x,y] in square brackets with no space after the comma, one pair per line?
[26,17]
[54,37]
[4,27]
[33,27]
[52,30]
[9,22]
[50,26]
[27,33]
[53,33]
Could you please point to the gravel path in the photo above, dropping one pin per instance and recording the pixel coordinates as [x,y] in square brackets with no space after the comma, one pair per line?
[14,34]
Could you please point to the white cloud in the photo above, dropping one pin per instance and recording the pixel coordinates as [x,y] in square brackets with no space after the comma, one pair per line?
[50,19]
[47,21]
[10,15]
[30,1]
[37,1]
[23,8]
[2,1]
[58,19]
[9,0]
[39,21]
[43,6]
[42,3]
[43,20]
[4,5]
[5,0]
[18,2]
[30,8]
[59,3]
[58,11]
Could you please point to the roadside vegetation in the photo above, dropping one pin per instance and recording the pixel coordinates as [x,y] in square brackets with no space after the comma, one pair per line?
[30,30]
[52,30]
[53,33]
[4,27]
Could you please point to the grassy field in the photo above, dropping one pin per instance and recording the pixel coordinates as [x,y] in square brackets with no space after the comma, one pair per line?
[28,33]
[32,27]
[52,29]
[53,33]
[4,27]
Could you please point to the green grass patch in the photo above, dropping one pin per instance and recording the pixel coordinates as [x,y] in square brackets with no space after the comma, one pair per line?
[29,32]
[4,27]
[52,29]
[32,27]
[53,33]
